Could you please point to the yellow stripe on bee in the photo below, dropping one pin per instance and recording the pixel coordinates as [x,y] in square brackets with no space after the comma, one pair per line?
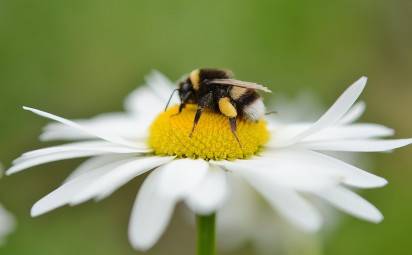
[195,78]
[237,92]
[226,107]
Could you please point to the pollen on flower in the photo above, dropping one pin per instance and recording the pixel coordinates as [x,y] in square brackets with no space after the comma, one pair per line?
[212,138]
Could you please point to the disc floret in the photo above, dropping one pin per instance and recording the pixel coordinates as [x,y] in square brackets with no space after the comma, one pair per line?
[212,139]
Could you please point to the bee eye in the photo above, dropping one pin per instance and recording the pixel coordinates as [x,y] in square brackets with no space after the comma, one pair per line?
[186,86]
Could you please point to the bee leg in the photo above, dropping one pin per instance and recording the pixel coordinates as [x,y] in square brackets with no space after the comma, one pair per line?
[181,107]
[227,108]
[204,102]
[233,128]
[199,112]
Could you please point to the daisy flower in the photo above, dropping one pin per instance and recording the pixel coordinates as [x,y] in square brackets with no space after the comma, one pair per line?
[283,163]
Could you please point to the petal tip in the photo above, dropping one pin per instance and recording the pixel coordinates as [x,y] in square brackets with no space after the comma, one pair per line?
[138,244]
[154,72]
[35,212]
[362,82]
[378,182]
[383,182]
[381,218]
[313,227]
[363,79]
[377,217]
[10,171]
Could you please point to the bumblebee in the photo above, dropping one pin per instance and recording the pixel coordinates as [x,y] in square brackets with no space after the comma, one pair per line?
[217,90]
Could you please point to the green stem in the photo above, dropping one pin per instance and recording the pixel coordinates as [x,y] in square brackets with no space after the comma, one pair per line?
[206,234]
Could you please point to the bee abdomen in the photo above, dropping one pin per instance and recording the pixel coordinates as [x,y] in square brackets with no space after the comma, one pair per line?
[252,106]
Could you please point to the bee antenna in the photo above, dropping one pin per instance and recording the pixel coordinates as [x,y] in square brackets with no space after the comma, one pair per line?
[170,98]
[271,112]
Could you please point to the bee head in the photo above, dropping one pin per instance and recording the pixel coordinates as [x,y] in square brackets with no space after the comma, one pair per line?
[186,91]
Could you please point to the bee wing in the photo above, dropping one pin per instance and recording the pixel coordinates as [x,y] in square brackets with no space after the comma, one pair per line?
[238,83]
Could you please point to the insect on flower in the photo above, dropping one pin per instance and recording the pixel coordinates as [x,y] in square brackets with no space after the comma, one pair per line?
[216,90]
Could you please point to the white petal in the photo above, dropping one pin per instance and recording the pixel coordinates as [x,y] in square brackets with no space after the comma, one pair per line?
[210,194]
[151,99]
[351,203]
[354,113]
[97,146]
[51,158]
[144,101]
[107,137]
[287,170]
[105,185]
[161,85]
[336,112]
[364,145]
[329,166]
[282,133]
[180,176]
[62,195]
[95,162]
[353,176]
[123,125]
[288,202]
[151,213]
[294,168]
[354,131]
[240,213]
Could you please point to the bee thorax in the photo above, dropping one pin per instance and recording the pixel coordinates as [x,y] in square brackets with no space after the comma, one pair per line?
[255,110]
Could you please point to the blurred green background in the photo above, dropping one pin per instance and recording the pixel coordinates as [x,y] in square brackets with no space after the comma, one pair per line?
[80,58]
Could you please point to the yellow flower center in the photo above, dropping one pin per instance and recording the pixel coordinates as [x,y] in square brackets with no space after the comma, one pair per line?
[212,138]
